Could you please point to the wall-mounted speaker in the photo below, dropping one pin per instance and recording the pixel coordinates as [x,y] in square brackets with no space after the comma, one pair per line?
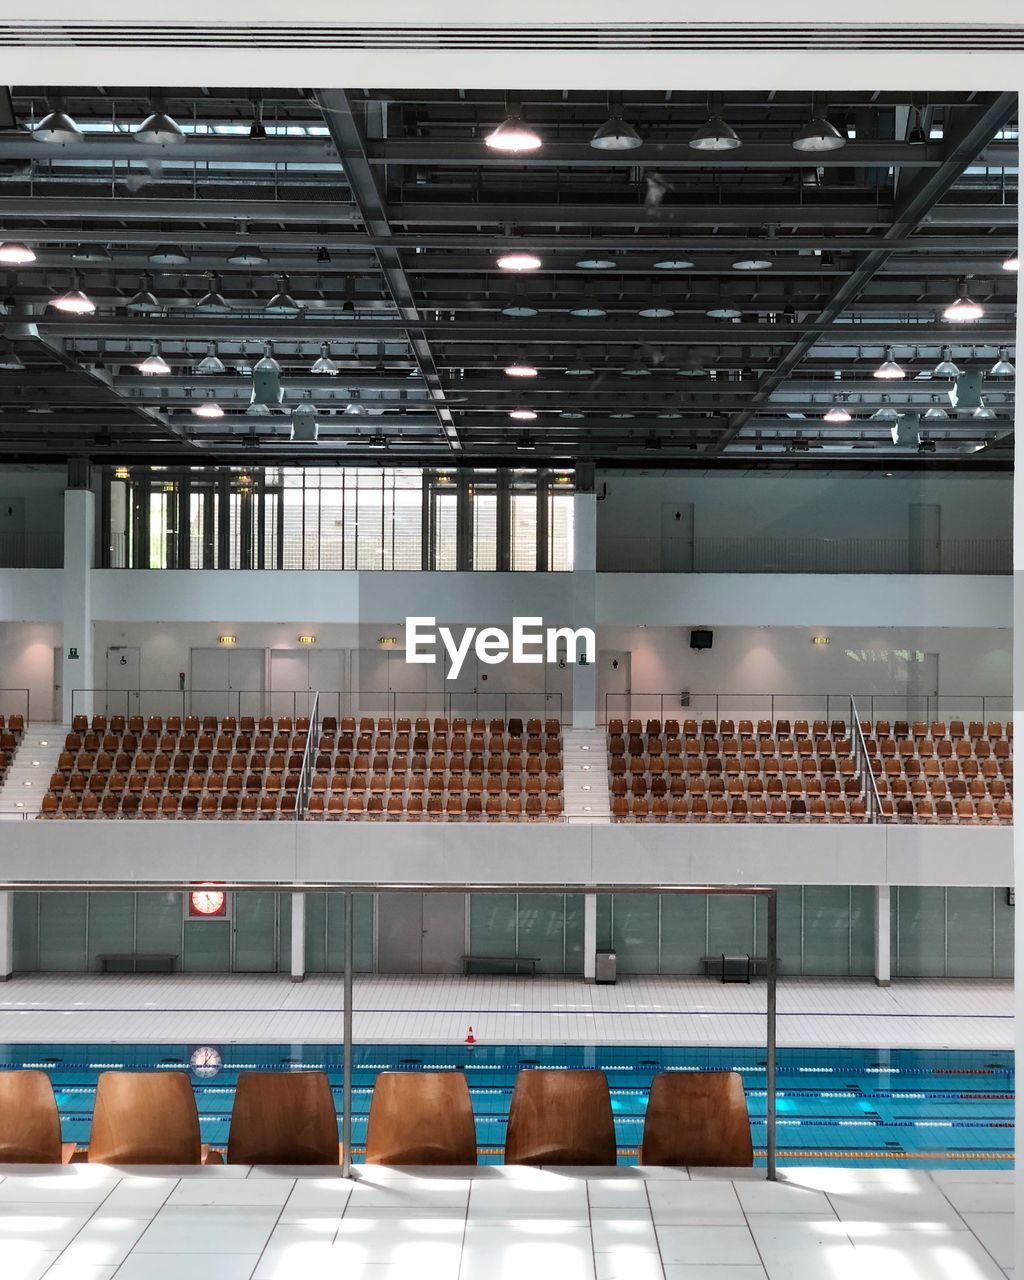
[701,638]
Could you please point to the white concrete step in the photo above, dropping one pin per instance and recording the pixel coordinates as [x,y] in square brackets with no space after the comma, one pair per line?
[29,774]
[585,775]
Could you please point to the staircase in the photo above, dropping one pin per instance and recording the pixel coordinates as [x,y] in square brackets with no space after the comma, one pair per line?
[585,775]
[29,774]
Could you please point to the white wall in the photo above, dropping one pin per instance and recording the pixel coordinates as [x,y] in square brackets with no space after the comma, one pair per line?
[26,662]
[554,854]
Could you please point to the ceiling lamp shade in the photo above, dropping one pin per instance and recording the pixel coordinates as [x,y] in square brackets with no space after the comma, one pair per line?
[169,255]
[885,412]
[211,363]
[616,134]
[1002,367]
[10,361]
[159,130]
[91,253]
[323,363]
[213,300]
[589,309]
[208,409]
[1011,263]
[818,135]
[282,301]
[513,136]
[517,309]
[75,301]
[837,413]
[248,256]
[523,415]
[673,264]
[724,313]
[595,264]
[154,363]
[889,370]
[57,127]
[519,260]
[715,135]
[145,300]
[656,313]
[936,411]
[963,309]
[752,264]
[983,411]
[15,253]
[946,368]
[520,369]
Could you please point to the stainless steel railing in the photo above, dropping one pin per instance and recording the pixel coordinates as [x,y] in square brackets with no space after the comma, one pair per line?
[244,886]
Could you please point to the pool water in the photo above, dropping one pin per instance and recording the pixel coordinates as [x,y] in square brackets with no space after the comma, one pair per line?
[902,1107]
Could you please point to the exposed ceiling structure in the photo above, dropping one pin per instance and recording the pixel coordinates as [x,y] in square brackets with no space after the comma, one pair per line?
[685,305]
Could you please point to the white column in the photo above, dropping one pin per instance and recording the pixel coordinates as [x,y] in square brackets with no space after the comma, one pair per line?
[883,936]
[298,936]
[6,935]
[1018,702]
[79,540]
[589,936]
[584,606]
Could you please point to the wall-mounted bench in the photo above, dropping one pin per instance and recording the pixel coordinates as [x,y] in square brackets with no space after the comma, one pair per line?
[137,962]
[514,965]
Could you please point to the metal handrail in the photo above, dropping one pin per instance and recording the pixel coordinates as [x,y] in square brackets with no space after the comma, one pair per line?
[312,736]
[348,889]
[864,758]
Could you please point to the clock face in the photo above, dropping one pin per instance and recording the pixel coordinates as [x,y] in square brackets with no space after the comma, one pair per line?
[205,1061]
[207,902]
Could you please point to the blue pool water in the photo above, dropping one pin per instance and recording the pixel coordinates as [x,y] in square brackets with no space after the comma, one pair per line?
[916,1108]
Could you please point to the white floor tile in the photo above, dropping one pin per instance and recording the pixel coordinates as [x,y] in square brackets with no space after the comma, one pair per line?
[25,1260]
[618,1193]
[784,1198]
[688,1202]
[715,1273]
[254,1192]
[540,1196]
[72,1184]
[41,1226]
[915,1203]
[188,1266]
[995,1231]
[315,1198]
[208,1229]
[104,1241]
[896,1254]
[637,1265]
[706,1245]
[979,1197]
[137,1195]
[538,1249]
[79,1271]
[798,1249]
[615,1231]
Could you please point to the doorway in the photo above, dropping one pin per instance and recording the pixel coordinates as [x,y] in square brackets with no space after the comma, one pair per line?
[922,685]
[124,676]
[676,537]
[614,674]
[925,537]
[421,932]
[227,682]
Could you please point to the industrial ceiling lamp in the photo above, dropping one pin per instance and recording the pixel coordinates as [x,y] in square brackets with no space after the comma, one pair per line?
[616,134]
[947,368]
[213,300]
[16,254]
[10,361]
[158,129]
[715,135]
[209,408]
[519,260]
[154,363]
[523,415]
[818,134]
[169,255]
[1012,262]
[248,256]
[885,412]
[324,363]
[145,300]
[514,136]
[936,411]
[1002,367]
[75,301]
[282,301]
[91,253]
[211,363]
[519,368]
[838,412]
[889,370]
[57,127]
[963,309]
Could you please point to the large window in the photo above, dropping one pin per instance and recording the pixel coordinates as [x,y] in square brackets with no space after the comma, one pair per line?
[366,518]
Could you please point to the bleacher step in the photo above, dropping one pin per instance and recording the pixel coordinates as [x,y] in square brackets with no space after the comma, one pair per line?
[585,775]
[29,773]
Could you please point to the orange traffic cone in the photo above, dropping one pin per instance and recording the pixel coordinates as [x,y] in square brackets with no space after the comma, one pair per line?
[470,1038]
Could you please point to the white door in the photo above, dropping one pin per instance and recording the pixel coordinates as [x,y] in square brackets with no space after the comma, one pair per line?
[925,537]
[227,682]
[922,686]
[613,684]
[676,538]
[289,682]
[58,685]
[124,665]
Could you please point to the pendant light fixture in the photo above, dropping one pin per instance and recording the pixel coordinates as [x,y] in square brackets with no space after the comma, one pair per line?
[1002,367]
[145,300]
[616,134]
[282,301]
[169,255]
[715,135]
[523,415]
[752,263]
[213,301]
[818,134]
[885,412]
[75,301]
[91,253]
[208,408]
[889,370]
[936,412]
[838,412]
[56,127]
[154,363]
[158,129]
[211,363]
[947,368]
[963,308]
[520,368]
[1012,262]
[514,136]
[10,361]
[16,254]
[324,363]
[519,260]
[248,256]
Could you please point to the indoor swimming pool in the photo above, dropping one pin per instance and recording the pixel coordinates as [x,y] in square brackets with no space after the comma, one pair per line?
[893,1107]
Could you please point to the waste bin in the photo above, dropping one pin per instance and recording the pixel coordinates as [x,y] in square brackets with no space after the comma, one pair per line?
[606,967]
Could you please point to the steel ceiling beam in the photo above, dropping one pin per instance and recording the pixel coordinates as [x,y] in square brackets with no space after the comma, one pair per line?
[918,202]
[350,141]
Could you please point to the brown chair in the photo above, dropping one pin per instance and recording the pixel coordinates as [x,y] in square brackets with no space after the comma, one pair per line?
[559,1118]
[283,1117]
[421,1117]
[29,1120]
[697,1119]
[146,1117]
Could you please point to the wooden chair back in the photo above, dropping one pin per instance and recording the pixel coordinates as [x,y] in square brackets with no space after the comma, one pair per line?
[421,1117]
[29,1121]
[283,1117]
[560,1117]
[698,1119]
[145,1117]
